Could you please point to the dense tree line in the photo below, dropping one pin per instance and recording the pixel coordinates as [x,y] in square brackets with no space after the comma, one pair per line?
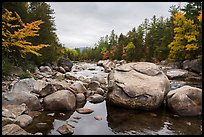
[28,37]
[176,38]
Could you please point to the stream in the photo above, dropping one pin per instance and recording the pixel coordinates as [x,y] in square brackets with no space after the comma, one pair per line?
[115,120]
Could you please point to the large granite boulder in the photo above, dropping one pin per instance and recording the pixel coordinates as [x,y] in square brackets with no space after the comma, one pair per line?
[140,85]
[185,101]
[17,98]
[61,100]
[22,92]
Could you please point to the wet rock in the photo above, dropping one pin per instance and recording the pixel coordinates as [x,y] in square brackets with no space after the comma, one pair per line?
[98,117]
[17,71]
[130,85]
[6,121]
[45,69]
[100,91]
[174,84]
[43,88]
[13,129]
[51,114]
[96,98]
[70,76]
[78,87]
[66,68]
[100,63]
[39,76]
[99,78]
[61,70]
[80,104]
[108,65]
[89,93]
[24,85]
[104,87]
[80,98]
[93,85]
[13,111]
[65,62]
[33,114]
[77,117]
[176,73]
[185,101]
[36,71]
[65,129]
[60,76]
[39,85]
[192,76]
[41,125]
[5,86]
[193,65]
[18,98]
[24,120]
[175,65]
[85,80]
[84,110]
[60,85]
[164,62]
[49,89]
[60,100]
[38,133]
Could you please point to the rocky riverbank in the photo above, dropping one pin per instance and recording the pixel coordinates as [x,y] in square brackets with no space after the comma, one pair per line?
[63,88]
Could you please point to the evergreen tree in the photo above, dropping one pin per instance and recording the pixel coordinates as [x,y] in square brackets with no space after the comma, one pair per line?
[42,11]
[21,8]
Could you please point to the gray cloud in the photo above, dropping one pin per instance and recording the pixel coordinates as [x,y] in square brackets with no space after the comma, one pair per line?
[82,24]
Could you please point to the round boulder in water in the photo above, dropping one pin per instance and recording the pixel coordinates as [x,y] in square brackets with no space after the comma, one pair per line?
[140,85]
[185,101]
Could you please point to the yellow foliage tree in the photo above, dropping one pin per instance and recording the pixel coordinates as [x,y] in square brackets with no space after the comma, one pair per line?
[128,51]
[15,32]
[200,16]
[185,41]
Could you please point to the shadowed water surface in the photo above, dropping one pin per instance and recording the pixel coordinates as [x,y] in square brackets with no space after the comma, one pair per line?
[119,121]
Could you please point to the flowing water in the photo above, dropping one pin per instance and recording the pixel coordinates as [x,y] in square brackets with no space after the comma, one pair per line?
[117,121]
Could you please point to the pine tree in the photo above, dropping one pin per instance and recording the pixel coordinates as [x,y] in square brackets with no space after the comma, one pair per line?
[43,11]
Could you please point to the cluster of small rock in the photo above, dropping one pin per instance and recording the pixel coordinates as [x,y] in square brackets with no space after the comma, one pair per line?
[139,85]
[51,90]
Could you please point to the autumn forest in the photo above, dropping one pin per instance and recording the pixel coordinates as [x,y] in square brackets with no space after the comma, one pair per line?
[29,38]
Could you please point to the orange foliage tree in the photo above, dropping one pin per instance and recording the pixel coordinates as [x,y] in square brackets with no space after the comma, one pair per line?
[15,33]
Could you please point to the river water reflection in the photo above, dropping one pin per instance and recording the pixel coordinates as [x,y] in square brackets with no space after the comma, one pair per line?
[115,120]
[118,121]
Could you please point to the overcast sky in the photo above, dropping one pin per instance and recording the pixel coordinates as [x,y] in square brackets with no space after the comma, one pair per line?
[81,24]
